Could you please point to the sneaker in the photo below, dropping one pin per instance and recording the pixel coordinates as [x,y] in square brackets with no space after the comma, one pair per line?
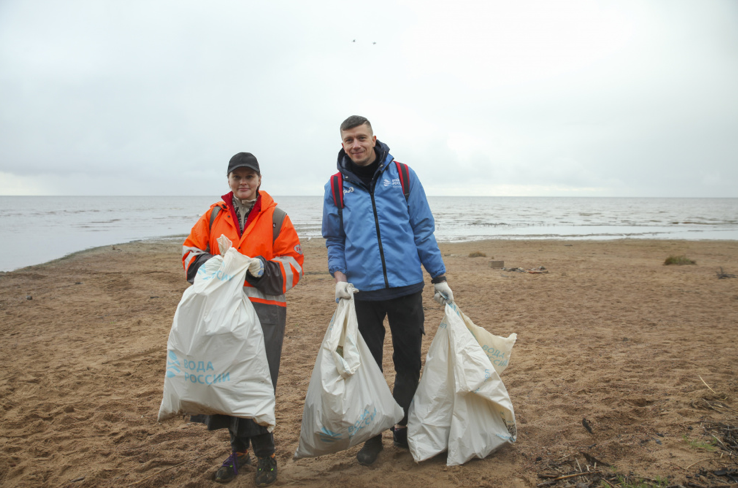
[399,435]
[229,469]
[266,471]
[368,454]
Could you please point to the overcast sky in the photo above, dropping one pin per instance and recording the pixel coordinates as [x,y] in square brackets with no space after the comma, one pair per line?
[539,98]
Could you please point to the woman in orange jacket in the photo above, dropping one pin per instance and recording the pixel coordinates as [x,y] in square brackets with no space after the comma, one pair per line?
[249,217]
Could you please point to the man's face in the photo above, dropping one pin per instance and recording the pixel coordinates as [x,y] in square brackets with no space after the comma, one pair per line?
[244,182]
[359,144]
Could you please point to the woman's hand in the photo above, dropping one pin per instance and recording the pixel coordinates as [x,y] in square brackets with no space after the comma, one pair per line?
[256,268]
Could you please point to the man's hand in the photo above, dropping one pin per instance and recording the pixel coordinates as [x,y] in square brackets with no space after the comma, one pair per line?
[443,294]
[256,268]
[344,290]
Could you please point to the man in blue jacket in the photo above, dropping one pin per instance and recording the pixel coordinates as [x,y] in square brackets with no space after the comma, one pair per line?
[378,235]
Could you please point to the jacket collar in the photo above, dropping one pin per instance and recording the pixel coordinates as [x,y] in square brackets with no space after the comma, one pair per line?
[263,202]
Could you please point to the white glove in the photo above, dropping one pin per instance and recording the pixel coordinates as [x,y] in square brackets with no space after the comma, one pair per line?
[344,290]
[256,268]
[224,244]
[443,293]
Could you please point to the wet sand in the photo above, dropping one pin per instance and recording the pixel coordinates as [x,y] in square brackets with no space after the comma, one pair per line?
[646,353]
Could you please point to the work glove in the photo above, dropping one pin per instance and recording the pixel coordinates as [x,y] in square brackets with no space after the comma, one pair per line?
[256,268]
[224,244]
[443,294]
[344,290]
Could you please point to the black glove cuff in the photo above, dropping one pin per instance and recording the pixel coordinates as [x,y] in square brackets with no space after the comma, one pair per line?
[438,279]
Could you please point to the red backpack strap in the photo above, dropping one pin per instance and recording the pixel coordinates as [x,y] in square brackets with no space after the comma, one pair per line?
[337,191]
[404,173]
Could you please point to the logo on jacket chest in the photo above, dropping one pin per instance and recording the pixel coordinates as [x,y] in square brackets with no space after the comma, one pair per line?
[395,182]
[350,189]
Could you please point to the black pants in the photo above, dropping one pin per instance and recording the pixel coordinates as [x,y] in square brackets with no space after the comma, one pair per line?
[263,444]
[405,316]
[244,432]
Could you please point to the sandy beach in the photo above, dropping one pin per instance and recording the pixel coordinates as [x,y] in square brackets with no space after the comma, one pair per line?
[624,369]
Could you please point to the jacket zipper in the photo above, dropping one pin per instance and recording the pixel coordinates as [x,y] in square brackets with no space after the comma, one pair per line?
[379,236]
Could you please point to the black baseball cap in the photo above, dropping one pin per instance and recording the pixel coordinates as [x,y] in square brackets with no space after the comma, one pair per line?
[243,160]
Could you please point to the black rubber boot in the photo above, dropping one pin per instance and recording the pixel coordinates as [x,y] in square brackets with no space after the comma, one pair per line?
[368,454]
[399,436]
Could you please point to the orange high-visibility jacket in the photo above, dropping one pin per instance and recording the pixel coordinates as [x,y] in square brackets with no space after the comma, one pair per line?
[283,260]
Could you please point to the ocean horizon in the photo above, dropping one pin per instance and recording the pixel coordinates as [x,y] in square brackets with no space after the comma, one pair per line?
[38,229]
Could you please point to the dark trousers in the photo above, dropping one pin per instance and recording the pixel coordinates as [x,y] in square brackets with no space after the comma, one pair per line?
[263,444]
[405,316]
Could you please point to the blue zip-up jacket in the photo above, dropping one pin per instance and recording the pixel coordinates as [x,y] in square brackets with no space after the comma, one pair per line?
[383,239]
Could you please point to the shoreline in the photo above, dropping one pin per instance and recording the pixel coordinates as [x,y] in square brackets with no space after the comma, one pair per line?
[644,352]
[176,238]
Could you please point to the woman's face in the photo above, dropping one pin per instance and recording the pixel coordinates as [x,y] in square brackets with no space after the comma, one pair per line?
[244,182]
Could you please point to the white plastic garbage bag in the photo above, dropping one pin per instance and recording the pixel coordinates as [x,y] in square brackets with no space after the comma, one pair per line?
[498,349]
[348,400]
[461,405]
[216,359]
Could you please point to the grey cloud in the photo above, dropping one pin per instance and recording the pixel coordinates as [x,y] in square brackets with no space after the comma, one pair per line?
[153,98]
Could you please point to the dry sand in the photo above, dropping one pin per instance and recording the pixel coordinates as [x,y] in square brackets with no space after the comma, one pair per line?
[646,353]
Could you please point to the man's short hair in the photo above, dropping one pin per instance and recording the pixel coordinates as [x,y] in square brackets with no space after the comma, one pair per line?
[355,121]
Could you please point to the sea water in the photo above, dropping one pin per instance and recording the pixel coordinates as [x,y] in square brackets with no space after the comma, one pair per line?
[34,230]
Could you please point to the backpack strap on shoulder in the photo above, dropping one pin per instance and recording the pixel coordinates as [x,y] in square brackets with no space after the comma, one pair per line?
[213,214]
[277,219]
[337,191]
[404,173]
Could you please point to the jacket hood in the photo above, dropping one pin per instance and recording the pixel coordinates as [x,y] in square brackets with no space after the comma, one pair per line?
[343,159]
